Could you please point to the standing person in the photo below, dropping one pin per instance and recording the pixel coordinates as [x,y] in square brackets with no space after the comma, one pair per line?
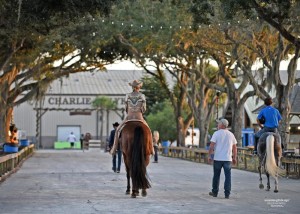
[87,138]
[155,145]
[119,151]
[135,102]
[223,145]
[268,120]
[81,141]
[71,139]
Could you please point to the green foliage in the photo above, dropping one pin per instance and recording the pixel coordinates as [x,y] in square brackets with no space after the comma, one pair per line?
[154,93]
[164,122]
[104,103]
[35,35]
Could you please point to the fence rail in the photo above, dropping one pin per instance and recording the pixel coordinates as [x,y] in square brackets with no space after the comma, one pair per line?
[245,159]
[10,162]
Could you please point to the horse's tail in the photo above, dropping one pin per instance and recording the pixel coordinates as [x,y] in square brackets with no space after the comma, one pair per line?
[271,165]
[138,166]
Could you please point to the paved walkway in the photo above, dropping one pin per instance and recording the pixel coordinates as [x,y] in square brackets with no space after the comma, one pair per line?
[83,182]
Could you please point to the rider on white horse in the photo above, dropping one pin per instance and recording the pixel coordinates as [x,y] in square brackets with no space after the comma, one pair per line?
[268,119]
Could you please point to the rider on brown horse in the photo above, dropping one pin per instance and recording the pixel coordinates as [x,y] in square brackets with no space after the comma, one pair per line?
[135,106]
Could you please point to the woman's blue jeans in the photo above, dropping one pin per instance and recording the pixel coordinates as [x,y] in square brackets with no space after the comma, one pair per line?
[155,153]
[218,165]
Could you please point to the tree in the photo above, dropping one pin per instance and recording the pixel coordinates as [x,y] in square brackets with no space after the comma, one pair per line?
[155,94]
[150,42]
[164,122]
[104,104]
[283,17]
[31,41]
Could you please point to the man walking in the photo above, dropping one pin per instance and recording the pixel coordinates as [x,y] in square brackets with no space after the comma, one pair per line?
[71,139]
[223,152]
[119,151]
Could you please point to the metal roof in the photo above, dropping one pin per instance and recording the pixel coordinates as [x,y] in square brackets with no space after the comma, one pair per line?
[112,82]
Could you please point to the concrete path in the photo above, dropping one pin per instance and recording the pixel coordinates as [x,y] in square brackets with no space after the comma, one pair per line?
[72,181]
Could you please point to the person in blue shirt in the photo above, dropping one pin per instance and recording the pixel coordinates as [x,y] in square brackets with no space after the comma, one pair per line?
[268,120]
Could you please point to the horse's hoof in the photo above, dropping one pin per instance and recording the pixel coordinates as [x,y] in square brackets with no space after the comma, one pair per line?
[127,192]
[133,195]
[261,186]
[267,189]
[275,190]
[144,193]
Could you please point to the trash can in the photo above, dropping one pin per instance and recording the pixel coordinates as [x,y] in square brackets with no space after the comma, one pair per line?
[165,144]
[248,137]
[10,147]
[24,142]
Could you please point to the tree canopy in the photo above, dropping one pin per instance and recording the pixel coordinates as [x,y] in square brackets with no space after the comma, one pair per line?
[34,48]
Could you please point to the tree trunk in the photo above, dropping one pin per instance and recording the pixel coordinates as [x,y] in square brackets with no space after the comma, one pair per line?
[237,122]
[180,131]
[5,112]
[107,124]
[283,97]
[101,124]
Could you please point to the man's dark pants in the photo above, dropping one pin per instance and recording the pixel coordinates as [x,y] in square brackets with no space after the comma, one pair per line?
[119,154]
[218,165]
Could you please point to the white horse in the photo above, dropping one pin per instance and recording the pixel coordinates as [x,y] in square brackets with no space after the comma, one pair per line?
[269,153]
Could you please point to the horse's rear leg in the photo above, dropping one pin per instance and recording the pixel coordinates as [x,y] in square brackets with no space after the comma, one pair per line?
[144,192]
[276,176]
[128,183]
[261,186]
[276,184]
[268,183]
[134,193]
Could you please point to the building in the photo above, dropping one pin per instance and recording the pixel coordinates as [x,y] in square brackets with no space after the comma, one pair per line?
[67,106]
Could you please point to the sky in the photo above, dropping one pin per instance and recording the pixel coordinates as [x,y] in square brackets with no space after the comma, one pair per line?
[127,65]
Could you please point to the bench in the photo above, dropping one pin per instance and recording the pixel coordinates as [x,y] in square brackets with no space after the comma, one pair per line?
[94,144]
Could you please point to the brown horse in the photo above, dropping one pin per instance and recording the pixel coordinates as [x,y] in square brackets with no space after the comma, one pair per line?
[136,142]
[269,153]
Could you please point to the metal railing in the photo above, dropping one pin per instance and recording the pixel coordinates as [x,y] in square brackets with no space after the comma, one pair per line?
[10,162]
[245,159]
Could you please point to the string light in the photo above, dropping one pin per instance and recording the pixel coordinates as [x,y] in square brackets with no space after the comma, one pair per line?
[232,22]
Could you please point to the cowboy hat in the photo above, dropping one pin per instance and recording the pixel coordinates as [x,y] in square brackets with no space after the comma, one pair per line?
[116,124]
[136,83]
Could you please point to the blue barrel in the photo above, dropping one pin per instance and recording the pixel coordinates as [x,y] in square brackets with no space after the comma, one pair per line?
[24,142]
[248,137]
[165,144]
[10,149]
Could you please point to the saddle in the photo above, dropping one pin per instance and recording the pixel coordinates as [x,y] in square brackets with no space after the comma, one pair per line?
[135,122]
[139,122]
